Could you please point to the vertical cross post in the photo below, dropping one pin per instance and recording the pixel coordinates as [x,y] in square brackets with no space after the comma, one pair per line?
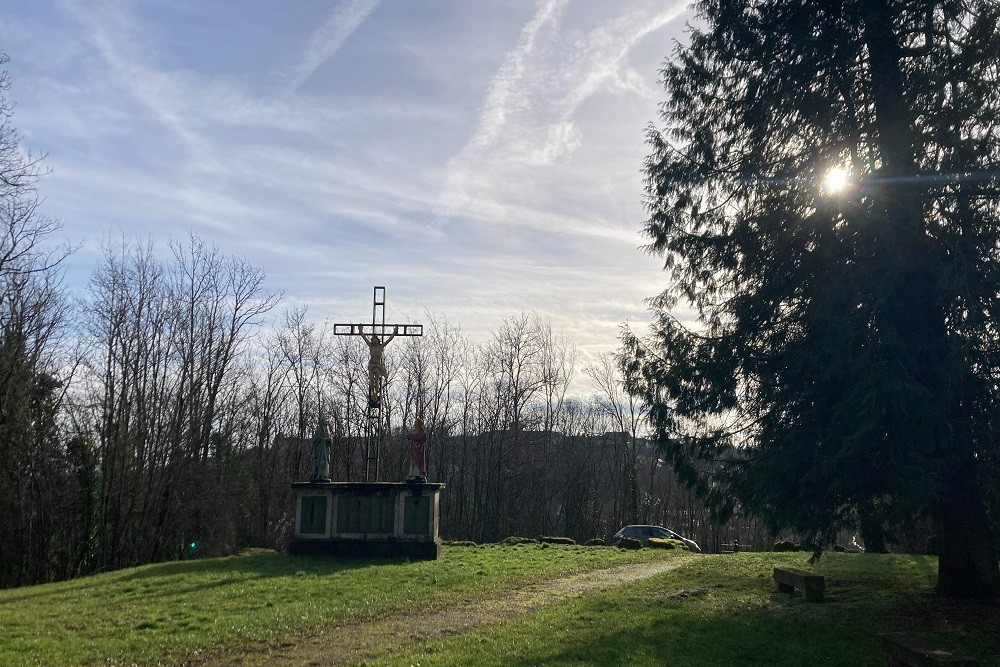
[378,308]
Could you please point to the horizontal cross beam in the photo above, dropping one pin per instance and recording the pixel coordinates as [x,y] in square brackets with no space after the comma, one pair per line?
[378,329]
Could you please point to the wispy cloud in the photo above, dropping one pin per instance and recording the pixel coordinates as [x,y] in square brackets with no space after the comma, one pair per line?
[501,99]
[115,34]
[529,123]
[328,39]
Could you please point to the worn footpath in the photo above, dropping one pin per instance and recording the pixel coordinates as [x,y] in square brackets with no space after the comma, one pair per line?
[353,641]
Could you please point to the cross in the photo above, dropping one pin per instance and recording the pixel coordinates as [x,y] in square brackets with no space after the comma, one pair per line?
[377,335]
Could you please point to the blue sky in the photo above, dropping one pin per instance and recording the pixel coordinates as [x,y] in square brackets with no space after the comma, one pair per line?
[478,158]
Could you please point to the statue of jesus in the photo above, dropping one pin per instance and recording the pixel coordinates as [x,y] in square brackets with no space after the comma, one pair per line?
[376,365]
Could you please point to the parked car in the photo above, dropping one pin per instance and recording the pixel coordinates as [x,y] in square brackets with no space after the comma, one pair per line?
[645,532]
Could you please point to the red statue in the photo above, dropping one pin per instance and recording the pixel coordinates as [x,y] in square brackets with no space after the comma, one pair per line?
[418,450]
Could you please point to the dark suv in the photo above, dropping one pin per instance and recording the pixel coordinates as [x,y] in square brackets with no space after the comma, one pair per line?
[645,532]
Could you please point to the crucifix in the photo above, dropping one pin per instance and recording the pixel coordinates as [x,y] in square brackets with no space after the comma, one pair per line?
[376,336]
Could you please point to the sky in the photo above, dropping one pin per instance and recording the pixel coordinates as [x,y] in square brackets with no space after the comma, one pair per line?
[477,158]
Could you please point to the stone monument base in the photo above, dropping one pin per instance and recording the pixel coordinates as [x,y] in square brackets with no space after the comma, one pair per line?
[370,547]
[366,519]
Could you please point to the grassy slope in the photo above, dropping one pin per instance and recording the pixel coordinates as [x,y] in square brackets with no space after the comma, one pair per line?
[167,611]
[732,616]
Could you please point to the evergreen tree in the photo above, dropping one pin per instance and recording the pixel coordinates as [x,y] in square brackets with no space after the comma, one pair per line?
[824,194]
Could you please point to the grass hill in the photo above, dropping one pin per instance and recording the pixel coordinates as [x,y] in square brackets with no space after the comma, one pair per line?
[711,610]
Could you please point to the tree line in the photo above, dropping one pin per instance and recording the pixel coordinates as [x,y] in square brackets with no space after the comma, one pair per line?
[167,413]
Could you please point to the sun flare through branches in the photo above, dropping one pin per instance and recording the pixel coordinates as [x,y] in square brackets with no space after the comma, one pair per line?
[836,180]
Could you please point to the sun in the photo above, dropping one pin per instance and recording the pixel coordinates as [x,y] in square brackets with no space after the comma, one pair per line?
[836,180]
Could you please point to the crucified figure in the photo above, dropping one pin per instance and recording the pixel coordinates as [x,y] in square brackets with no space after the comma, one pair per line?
[376,364]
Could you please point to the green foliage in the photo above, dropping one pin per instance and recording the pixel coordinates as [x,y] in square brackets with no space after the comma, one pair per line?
[162,613]
[785,545]
[514,540]
[842,368]
[596,542]
[552,539]
[630,543]
[459,543]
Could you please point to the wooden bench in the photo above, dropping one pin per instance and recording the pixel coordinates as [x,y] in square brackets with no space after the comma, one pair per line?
[906,650]
[811,585]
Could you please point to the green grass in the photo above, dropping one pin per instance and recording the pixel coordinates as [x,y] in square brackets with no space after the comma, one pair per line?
[722,610]
[168,611]
[713,610]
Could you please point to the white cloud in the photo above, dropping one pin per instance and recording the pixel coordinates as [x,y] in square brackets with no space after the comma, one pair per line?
[503,99]
[327,40]
[529,116]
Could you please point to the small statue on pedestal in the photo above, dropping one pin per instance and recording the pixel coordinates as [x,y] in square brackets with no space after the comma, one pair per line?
[418,452]
[321,443]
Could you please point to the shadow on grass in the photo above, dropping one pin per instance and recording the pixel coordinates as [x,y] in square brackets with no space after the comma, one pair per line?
[257,566]
[874,594]
[725,612]
[790,631]
[739,638]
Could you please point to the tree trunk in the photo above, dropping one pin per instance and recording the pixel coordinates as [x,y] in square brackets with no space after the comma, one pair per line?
[967,567]
[967,554]
[872,532]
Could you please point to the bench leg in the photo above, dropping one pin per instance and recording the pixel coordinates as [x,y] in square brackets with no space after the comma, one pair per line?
[813,593]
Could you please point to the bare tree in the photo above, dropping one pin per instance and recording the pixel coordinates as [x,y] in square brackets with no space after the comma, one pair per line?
[626,413]
[33,316]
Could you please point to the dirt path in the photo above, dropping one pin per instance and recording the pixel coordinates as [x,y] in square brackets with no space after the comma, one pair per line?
[352,641]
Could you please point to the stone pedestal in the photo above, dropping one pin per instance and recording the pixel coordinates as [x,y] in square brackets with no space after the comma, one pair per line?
[360,519]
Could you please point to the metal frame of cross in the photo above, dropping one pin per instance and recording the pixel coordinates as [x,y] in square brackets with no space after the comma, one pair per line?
[378,326]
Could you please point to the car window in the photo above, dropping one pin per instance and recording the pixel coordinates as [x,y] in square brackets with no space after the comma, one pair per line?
[662,533]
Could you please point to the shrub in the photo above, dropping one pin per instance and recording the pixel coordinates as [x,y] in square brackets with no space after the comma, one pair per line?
[257,551]
[459,543]
[596,542]
[785,545]
[514,539]
[660,543]
[554,539]
[630,543]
